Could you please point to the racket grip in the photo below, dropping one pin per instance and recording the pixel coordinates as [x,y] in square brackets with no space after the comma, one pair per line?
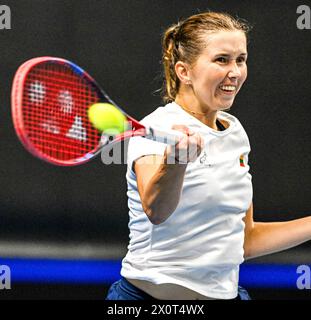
[168,136]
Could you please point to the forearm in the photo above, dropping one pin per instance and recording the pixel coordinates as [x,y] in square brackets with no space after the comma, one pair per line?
[162,193]
[270,237]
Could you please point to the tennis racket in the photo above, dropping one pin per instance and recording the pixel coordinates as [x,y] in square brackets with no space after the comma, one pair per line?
[50,99]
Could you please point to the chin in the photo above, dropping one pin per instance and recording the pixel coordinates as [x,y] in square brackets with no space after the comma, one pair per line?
[225,107]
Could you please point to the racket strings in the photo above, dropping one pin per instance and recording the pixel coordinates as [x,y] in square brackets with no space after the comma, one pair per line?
[55,104]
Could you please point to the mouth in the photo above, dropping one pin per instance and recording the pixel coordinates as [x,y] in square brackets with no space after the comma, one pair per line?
[228,89]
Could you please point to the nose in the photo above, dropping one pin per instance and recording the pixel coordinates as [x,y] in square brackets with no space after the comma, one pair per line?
[234,71]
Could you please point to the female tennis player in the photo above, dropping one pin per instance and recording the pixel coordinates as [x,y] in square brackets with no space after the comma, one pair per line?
[190,206]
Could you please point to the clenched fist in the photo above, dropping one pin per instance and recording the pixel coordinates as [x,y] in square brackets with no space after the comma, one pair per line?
[187,149]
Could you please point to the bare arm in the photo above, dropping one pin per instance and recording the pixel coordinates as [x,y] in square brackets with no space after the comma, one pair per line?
[159,186]
[262,238]
[159,183]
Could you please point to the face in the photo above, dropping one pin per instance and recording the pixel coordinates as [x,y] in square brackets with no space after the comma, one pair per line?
[220,70]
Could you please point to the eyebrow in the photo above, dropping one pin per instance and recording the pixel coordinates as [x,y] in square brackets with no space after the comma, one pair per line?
[228,55]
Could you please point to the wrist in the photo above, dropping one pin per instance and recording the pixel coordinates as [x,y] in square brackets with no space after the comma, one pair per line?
[170,158]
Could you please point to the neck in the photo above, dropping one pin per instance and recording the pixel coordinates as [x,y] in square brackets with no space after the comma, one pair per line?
[193,107]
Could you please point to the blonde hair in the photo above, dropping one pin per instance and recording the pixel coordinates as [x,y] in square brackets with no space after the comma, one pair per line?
[184,42]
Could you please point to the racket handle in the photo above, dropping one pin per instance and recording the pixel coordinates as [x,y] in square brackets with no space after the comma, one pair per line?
[168,136]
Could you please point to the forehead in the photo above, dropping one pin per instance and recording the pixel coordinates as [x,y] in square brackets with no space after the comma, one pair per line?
[230,42]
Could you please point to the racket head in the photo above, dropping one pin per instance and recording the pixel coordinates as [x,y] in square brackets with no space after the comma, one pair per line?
[50,100]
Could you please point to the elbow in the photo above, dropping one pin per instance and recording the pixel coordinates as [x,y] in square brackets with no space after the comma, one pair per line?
[155,220]
[155,215]
[247,254]
[251,255]
[250,250]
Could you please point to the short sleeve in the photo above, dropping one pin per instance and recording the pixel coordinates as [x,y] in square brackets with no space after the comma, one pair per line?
[139,147]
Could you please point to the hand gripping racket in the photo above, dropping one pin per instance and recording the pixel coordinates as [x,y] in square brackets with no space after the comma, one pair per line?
[50,101]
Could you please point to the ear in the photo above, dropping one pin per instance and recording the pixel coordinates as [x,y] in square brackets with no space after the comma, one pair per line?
[182,72]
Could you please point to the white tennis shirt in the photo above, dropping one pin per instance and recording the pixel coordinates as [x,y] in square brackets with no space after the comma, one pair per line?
[200,246]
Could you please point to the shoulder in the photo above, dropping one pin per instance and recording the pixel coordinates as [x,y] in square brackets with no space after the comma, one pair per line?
[229,117]
[162,116]
[234,121]
[138,146]
[236,126]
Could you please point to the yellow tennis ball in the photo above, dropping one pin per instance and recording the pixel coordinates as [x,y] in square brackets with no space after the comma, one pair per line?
[106,118]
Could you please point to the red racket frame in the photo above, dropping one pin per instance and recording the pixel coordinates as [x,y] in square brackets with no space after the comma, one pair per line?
[17,98]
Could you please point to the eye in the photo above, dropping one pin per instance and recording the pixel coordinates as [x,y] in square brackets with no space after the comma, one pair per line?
[221,59]
[241,59]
